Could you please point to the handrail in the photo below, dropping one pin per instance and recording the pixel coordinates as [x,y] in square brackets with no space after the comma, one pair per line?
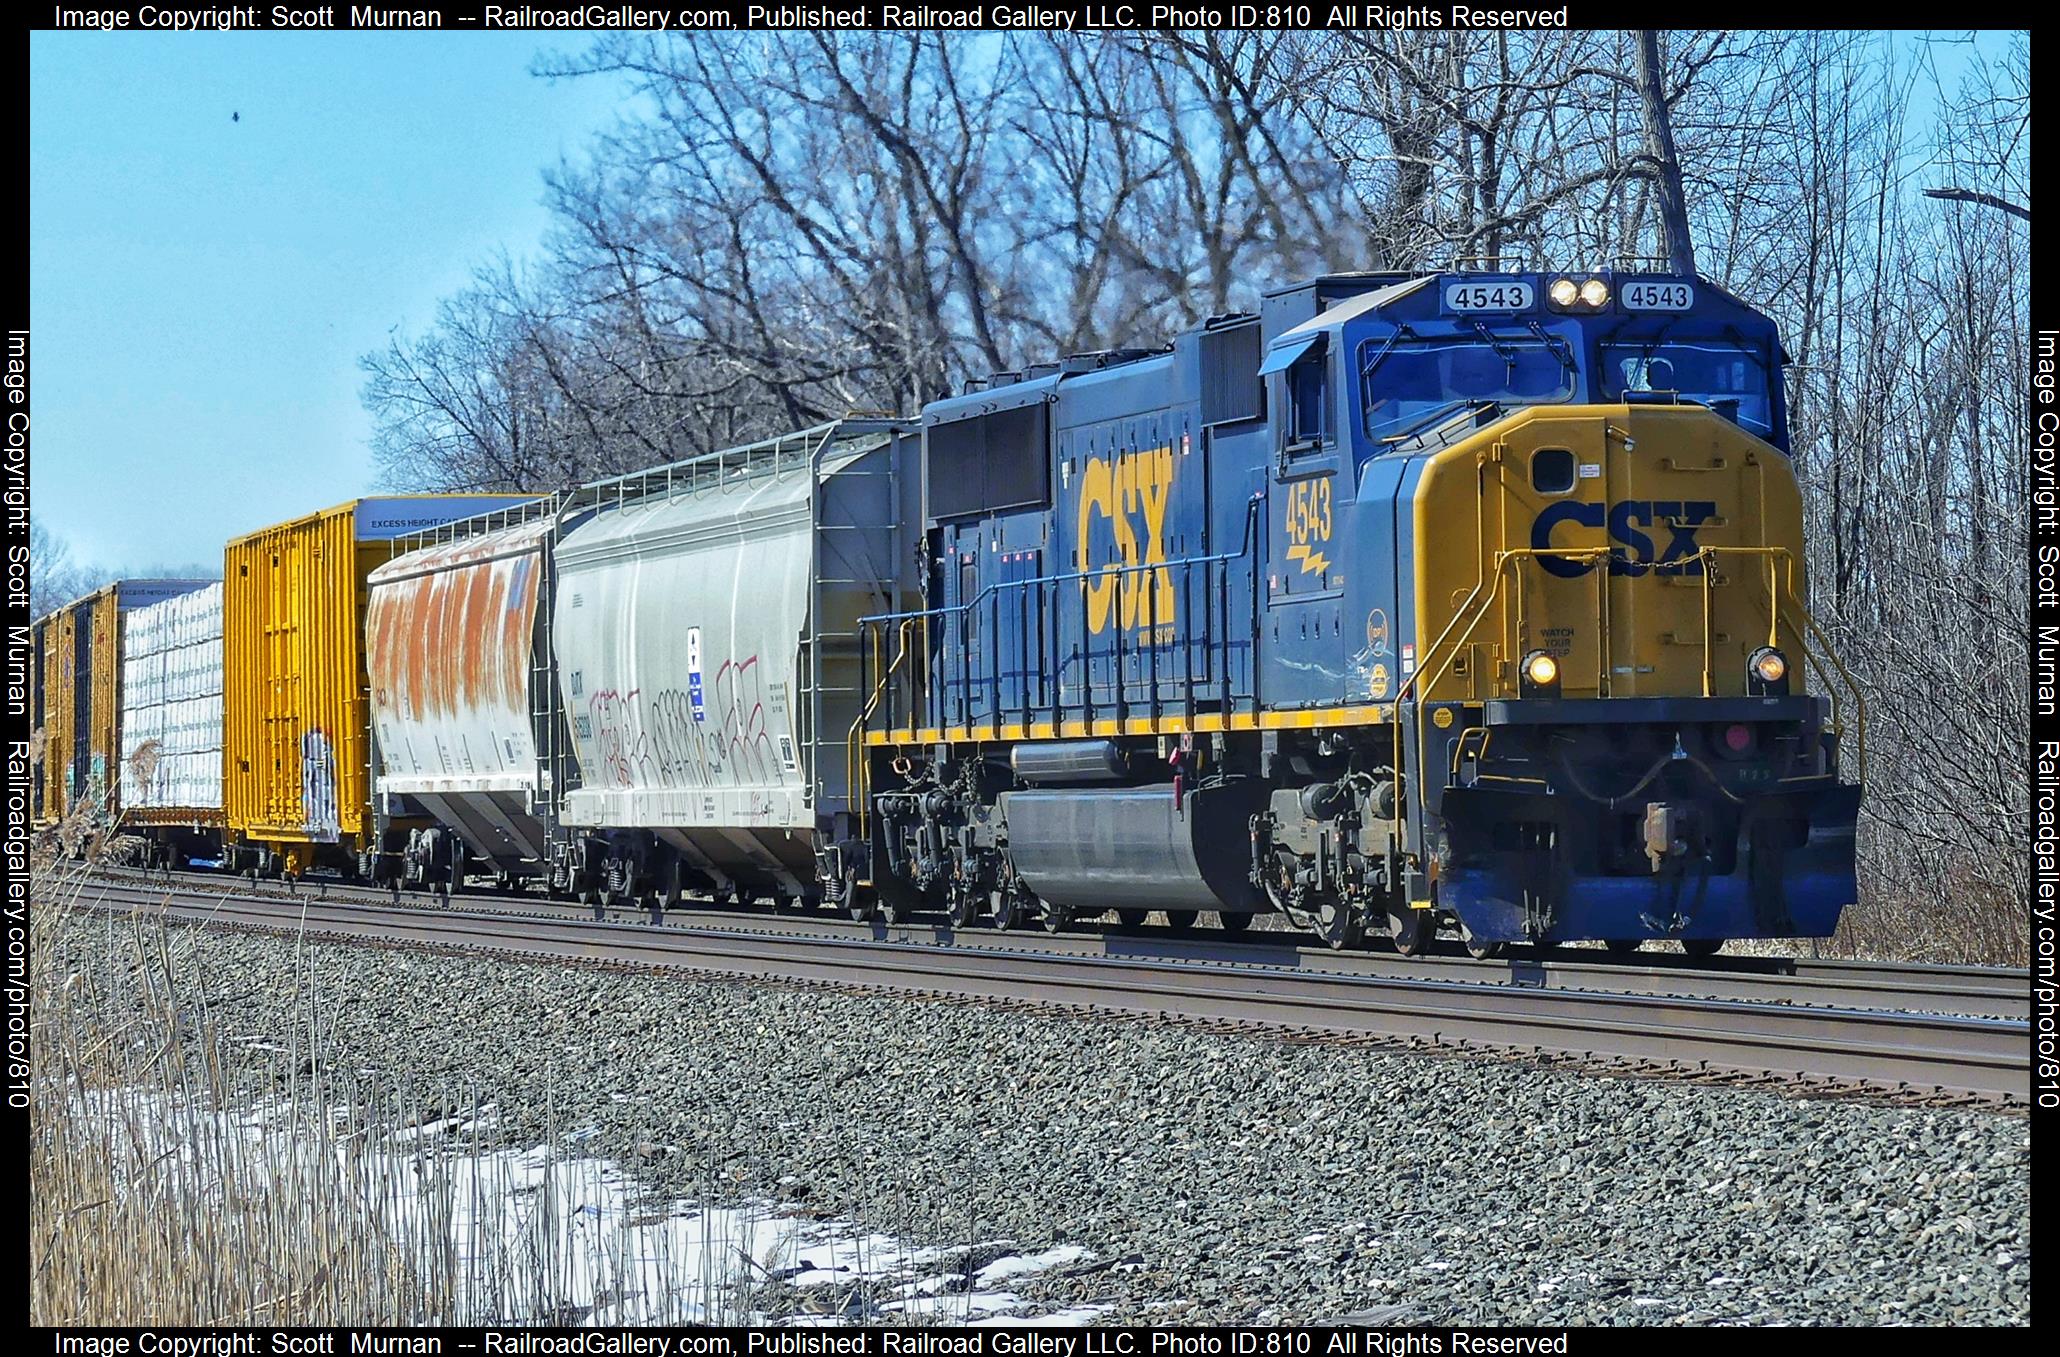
[857,769]
[1475,609]
[1415,682]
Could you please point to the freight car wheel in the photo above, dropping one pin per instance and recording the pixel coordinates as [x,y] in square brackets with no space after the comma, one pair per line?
[859,907]
[1338,924]
[1057,918]
[1478,949]
[665,890]
[1008,909]
[963,905]
[1702,947]
[1182,918]
[1410,930]
[1132,918]
[1235,923]
[1624,946]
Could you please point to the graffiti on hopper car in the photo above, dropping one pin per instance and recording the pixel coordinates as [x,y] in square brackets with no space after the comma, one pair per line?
[652,739]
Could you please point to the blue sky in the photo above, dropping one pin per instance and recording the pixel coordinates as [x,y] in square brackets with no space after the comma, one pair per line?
[201,289]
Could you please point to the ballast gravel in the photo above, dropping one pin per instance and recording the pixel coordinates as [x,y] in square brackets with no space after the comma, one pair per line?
[1214,1178]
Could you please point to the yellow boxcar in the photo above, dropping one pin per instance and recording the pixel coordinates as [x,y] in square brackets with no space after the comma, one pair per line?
[297,746]
[58,699]
[79,700]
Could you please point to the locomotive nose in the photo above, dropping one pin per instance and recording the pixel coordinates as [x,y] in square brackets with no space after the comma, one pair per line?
[1647,550]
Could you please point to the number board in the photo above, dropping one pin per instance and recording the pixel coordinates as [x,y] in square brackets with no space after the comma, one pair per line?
[1491,294]
[1657,294]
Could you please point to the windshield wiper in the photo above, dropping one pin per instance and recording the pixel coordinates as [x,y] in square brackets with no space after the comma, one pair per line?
[1502,349]
[1401,332]
[1555,345]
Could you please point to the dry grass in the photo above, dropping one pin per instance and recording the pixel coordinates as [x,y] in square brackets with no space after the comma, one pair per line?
[182,1175]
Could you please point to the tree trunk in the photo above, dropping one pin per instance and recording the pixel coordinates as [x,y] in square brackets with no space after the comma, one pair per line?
[1659,145]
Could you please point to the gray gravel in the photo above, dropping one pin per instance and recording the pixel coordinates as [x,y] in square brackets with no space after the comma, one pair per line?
[1226,1178]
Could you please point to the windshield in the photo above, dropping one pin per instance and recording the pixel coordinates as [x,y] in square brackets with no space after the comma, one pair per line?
[1712,371]
[1411,379]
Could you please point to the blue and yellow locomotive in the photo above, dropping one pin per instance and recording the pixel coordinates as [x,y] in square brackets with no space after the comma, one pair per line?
[1471,600]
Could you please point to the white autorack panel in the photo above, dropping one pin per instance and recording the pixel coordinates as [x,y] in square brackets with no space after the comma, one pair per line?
[171,722]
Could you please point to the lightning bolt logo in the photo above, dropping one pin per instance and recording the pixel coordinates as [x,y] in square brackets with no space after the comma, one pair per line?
[1312,560]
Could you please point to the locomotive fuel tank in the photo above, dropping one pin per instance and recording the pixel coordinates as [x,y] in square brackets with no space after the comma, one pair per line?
[1148,847]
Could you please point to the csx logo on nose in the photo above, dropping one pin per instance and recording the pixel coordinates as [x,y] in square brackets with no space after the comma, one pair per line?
[1624,519]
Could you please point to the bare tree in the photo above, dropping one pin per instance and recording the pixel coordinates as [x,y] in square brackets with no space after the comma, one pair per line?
[54,577]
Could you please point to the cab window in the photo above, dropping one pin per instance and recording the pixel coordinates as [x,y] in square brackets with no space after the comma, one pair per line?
[1715,372]
[1308,383]
[1412,382]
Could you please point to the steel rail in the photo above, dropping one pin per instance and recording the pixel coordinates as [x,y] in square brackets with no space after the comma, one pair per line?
[1985,1058]
[1973,991]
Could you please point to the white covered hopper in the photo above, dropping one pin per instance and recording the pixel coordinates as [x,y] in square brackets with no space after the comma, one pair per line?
[704,637]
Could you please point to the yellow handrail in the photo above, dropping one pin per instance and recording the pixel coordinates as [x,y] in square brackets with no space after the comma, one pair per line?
[1475,609]
[858,779]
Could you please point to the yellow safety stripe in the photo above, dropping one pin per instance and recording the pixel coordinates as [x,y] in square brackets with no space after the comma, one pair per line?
[1322,717]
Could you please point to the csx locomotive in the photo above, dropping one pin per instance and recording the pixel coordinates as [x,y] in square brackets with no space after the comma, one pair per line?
[1411,600]
[1467,600]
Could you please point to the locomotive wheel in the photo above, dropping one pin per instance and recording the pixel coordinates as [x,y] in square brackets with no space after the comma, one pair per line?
[1624,946]
[1410,930]
[1132,918]
[1702,947]
[1478,949]
[1234,923]
[1182,918]
[1338,924]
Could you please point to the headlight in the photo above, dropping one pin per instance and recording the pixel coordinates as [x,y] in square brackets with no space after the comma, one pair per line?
[1766,673]
[1541,670]
[1595,293]
[1563,292]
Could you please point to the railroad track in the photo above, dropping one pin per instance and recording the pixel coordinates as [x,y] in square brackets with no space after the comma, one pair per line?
[1971,991]
[1900,1053]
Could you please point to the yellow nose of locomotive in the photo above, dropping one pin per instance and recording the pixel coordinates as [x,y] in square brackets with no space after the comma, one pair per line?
[1644,550]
